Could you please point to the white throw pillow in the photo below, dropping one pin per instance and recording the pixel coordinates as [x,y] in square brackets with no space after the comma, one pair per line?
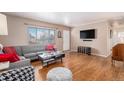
[4,65]
[21,57]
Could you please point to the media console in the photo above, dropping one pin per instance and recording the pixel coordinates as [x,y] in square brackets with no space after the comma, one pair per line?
[83,49]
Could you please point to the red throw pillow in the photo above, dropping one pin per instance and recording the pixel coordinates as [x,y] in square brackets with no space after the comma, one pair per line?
[9,57]
[4,57]
[12,53]
[50,47]
[14,58]
[9,50]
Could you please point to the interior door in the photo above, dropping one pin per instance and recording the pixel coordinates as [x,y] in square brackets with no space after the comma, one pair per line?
[66,40]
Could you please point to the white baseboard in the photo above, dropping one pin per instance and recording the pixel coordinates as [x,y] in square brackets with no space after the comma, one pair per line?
[98,55]
[109,54]
[73,50]
[95,54]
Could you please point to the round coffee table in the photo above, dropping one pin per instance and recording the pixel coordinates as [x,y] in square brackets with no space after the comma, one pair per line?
[59,74]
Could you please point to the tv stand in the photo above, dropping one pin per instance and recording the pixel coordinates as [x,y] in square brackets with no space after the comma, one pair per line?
[87,40]
[83,49]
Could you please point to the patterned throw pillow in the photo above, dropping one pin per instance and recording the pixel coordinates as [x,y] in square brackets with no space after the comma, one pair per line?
[21,74]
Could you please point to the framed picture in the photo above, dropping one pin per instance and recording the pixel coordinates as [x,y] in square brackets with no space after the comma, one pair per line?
[59,34]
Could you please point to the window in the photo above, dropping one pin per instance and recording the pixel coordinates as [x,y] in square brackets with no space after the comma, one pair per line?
[41,35]
[121,37]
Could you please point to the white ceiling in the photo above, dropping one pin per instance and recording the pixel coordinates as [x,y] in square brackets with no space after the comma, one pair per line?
[69,18]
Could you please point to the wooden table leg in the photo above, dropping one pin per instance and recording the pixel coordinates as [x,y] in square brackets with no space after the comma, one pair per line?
[47,64]
[61,60]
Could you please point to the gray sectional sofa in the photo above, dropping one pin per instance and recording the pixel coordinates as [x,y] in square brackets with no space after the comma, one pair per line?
[27,54]
[30,51]
[20,63]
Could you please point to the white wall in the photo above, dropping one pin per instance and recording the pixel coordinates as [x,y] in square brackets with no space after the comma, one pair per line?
[109,40]
[100,45]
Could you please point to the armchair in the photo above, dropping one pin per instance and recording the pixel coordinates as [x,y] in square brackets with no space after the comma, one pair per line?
[118,53]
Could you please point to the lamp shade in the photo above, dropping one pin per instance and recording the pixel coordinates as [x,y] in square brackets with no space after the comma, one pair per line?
[1,46]
[3,25]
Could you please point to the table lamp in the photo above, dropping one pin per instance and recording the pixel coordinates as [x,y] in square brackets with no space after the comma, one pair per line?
[3,25]
[3,31]
[1,46]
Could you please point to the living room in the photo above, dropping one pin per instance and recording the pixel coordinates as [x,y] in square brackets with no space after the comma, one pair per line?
[62,46]
[76,47]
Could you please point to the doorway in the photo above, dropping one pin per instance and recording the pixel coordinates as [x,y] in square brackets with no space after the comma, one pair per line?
[66,40]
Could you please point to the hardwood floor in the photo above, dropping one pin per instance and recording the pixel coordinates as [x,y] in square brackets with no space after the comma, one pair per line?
[84,67]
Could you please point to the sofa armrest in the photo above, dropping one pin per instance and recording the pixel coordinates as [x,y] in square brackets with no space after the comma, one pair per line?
[21,63]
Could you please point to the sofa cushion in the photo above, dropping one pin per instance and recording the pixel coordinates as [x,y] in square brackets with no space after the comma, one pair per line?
[20,63]
[30,55]
[40,48]
[40,52]
[32,49]
[18,50]
[33,58]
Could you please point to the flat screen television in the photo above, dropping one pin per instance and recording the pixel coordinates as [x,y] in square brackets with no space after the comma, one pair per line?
[87,34]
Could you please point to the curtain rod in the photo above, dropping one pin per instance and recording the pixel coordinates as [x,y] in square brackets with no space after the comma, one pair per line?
[41,26]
